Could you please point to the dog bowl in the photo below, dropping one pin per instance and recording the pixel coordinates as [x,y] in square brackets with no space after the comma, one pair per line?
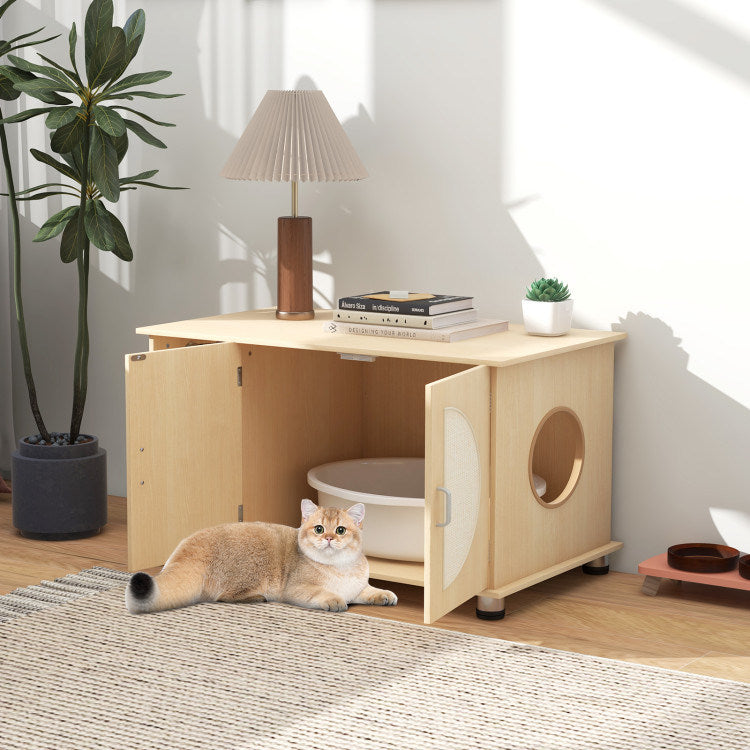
[698,557]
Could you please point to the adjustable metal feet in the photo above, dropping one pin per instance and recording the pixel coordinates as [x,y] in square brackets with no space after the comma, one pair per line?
[598,567]
[489,608]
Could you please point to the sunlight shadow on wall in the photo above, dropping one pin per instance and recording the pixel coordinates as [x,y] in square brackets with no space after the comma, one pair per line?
[675,449]
[714,41]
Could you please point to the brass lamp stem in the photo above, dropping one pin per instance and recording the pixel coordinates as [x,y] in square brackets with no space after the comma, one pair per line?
[294,198]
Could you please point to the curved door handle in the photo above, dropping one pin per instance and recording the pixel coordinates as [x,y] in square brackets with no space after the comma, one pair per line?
[447,506]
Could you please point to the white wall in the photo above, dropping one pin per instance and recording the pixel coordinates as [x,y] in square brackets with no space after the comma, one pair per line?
[603,141]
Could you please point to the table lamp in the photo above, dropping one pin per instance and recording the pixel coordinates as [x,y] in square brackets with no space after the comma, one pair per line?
[294,136]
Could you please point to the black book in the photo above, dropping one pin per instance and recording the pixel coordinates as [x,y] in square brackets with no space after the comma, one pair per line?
[414,303]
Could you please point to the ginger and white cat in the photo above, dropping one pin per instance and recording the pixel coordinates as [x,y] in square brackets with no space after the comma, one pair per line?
[320,565]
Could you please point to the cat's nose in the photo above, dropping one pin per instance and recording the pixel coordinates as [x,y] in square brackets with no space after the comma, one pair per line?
[329,538]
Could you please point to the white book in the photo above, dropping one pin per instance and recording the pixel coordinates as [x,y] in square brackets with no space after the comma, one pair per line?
[408,321]
[482,327]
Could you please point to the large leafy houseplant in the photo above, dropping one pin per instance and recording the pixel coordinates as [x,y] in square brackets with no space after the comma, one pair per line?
[90,127]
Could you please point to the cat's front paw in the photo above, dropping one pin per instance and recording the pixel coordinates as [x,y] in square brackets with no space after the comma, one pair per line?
[334,604]
[384,598]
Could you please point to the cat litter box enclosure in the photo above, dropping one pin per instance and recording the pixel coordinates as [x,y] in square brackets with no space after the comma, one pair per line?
[272,399]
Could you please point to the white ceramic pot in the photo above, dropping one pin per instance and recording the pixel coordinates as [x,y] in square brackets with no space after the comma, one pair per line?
[547,318]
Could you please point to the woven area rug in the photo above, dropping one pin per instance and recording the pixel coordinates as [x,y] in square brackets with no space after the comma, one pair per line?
[86,674]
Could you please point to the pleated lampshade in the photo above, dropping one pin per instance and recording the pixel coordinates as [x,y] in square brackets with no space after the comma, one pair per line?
[294,136]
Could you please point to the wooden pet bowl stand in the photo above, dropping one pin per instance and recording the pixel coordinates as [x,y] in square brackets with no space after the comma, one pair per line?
[656,569]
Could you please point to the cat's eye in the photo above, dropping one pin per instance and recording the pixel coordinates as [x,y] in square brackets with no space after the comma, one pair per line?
[341,530]
[318,529]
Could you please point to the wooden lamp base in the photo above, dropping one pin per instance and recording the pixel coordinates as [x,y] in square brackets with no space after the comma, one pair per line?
[295,282]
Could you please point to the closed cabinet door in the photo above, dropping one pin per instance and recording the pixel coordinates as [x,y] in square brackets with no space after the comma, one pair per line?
[184,446]
[457,490]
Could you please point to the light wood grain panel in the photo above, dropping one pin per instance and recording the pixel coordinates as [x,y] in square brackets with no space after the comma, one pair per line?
[184,446]
[644,623]
[398,571]
[261,327]
[301,409]
[716,664]
[528,537]
[469,393]
[393,404]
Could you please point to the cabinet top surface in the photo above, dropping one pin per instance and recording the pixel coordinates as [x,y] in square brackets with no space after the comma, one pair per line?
[260,327]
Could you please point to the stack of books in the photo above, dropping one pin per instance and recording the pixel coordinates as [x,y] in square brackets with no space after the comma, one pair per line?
[411,315]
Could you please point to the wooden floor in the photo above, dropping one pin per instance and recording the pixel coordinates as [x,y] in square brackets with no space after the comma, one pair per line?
[689,627]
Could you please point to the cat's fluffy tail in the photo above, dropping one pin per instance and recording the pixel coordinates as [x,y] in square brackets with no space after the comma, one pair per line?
[176,586]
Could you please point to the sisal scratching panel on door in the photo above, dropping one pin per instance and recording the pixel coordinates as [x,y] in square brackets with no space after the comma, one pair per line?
[462,472]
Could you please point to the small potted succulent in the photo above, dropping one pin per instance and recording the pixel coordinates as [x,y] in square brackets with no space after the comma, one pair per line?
[548,308]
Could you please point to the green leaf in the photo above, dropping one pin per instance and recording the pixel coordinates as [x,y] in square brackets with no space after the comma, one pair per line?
[27,114]
[103,164]
[55,224]
[144,94]
[16,74]
[75,159]
[42,89]
[60,116]
[98,225]
[144,116]
[135,28]
[108,120]
[154,185]
[72,41]
[53,98]
[72,74]
[98,23]
[143,134]
[139,79]
[58,165]
[46,194]
[121,146]
[34,42]
[5,6]
[107,57]
[7,91]
[64,83]
[121,247]
[11,42]
[65,138]
[69,244]
[46,184]
[141,176]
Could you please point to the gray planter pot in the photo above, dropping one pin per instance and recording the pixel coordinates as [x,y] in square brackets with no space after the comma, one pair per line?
[59,492]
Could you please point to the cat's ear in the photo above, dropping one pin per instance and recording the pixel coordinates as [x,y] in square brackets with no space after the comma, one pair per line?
[308,508]
[357,513]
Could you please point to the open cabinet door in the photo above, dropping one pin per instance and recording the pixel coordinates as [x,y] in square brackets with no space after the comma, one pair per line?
[457,490]
[184,446]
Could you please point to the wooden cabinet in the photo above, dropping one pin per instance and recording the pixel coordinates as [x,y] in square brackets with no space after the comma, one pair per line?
[225,415]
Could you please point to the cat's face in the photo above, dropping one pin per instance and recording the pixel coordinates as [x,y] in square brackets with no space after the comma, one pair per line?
[331,535]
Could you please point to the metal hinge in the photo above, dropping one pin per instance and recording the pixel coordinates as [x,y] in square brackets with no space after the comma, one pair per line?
[239,375]
[357,357]
[240,512]
[490,402]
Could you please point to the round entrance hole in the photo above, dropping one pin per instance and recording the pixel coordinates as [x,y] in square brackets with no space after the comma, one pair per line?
[557,455]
